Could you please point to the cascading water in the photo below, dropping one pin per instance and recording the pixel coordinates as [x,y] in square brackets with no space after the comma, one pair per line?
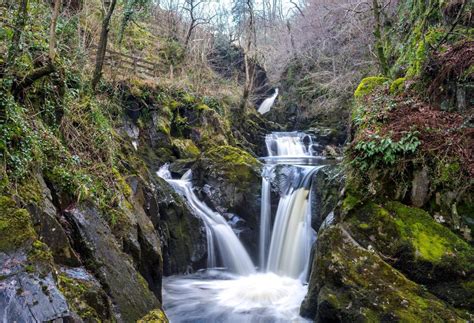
[237,293]
[219,234]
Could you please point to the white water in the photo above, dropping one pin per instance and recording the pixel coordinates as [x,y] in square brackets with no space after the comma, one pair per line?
[292,235]
[276,293]
[219,234]
[268,103]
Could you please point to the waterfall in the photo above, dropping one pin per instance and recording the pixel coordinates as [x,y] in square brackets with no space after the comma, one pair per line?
[219,234]
[275,293]
[265,218]
[292,235]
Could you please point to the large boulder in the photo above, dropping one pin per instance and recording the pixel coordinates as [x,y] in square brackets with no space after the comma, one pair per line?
[426,251]
[352,283]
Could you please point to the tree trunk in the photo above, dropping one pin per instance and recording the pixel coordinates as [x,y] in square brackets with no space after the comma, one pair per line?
[52,30]
[378,38]
[102,46]
[20,22]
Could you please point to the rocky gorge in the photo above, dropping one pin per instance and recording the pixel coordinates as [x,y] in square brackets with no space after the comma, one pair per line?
[89,231]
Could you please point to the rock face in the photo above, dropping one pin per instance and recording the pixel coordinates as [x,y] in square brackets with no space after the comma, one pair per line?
[104,258]
[182,233]
[326,185]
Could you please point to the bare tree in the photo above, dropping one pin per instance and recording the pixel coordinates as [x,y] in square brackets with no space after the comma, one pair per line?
[194,10]
[102,45]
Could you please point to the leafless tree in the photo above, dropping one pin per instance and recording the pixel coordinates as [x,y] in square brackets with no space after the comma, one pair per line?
[102,45]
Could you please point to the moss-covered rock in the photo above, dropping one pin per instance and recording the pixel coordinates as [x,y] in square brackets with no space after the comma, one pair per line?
[155,316]
[186,148]
[368,84]
[16,227]
[351,283]
[412,241]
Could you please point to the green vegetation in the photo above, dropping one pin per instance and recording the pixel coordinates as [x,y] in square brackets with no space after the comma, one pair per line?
[16,228]
[368,84]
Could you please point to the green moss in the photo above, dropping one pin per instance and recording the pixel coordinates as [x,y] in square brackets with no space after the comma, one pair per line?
[40,252]
[368,84]
[350,202]
[433,242]
[422,50]
[235,164]
[186,148]
[16,228]
[155,316]
[76,293]
[398,85]
[202,107]
[121,183]
[448,172]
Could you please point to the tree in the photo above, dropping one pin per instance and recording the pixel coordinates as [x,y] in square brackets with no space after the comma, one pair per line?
[102,45]
[192,7]
[378,37]
[49,66]
[20,22]
[52,30]
[244,16]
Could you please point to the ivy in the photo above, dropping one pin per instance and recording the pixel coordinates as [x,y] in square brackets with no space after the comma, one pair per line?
[382,151]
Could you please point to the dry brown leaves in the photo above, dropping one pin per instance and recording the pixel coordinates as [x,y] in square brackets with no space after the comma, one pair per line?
[444,134]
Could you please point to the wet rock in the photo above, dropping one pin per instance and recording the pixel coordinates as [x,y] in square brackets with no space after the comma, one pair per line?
[351,283]
[326,186]
[420,188]
[27,295]
[183,237]
[84,294]
[102,255]
[233,178]
[141,240]
[48,227]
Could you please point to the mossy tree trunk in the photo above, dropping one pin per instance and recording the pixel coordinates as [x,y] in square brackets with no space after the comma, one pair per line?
[378,37]
[20,22]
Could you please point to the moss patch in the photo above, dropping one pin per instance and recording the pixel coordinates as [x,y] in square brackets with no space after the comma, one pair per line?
[235,164]
[155,316]
[433,242]
[16,228]
[368,84]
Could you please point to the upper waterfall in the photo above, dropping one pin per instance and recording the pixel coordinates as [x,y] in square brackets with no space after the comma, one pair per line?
[291,148]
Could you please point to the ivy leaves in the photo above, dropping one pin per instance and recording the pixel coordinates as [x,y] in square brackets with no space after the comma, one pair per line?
[379,151]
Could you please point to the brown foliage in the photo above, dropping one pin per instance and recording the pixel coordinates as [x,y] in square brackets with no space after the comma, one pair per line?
[450,66]
[441,133]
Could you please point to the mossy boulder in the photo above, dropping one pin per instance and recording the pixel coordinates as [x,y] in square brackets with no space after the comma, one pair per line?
[367,85]
[414,243]
[351,283]
[423,248]
[185,148]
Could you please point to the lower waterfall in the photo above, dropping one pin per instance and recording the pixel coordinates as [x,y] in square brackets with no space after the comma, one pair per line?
[231,289]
